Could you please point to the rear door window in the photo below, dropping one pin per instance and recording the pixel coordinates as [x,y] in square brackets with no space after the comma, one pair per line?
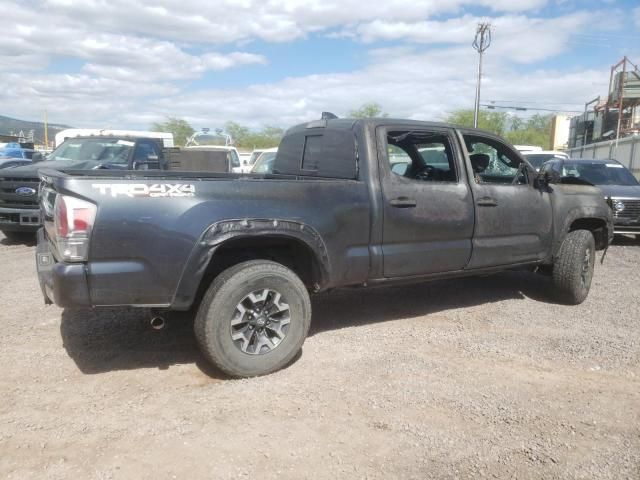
[421,155]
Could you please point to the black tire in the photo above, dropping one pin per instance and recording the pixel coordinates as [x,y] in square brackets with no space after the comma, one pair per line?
[213,323]
[573,267]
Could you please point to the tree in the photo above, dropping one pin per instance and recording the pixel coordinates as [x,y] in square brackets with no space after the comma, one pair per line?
[179,127]
[495,122]
[244,137]
[536,130]
[238,132]
[368,110]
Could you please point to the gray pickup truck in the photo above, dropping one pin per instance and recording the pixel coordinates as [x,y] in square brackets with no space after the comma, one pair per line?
[348,203]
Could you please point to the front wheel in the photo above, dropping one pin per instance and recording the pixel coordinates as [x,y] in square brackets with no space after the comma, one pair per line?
[253,319]
[573,267]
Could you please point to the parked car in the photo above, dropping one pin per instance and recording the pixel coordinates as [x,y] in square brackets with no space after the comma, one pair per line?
[245,251]
[255,154]
[264,162]
[217,141]
[163,138]
[537,158]
[244,161]
[615,181]
[19,212]
[14,150]
[528,148]
[13,162]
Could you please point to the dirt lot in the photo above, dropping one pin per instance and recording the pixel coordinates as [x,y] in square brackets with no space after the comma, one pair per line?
[458,379]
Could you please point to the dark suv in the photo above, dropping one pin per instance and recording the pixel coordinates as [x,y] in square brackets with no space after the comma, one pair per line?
[615,181]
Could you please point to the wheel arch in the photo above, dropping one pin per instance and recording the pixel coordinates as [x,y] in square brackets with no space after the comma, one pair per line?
[295,245]
[581,219]
[597,226]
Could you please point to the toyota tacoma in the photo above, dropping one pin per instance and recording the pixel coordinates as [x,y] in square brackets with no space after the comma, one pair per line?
[347,203]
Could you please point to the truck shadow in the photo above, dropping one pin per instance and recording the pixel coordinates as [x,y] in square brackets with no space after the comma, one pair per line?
[27,241]
[625,240]
[110,339]
[348,308]
[107,340]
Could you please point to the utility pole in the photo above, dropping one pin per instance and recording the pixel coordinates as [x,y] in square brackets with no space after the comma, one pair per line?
[46,131]
[480,43]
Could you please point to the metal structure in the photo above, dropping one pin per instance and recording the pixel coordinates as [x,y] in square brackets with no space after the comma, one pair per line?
[480,43]
[626,151]
[624,85]
[615,117]
[207,138]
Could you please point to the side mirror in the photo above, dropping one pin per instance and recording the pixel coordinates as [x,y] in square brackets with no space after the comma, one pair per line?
[553,176]
[36,157]
[546,178]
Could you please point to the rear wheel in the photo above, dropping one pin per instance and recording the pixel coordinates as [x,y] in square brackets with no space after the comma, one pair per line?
[573,267]
[253,319]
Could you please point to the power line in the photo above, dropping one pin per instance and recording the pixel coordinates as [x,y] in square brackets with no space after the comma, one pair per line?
[536,102]
[523,109]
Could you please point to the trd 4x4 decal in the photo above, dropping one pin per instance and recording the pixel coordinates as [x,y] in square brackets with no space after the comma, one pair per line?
[143,190]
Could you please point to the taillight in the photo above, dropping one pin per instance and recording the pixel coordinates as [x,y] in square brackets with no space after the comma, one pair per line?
[73,220]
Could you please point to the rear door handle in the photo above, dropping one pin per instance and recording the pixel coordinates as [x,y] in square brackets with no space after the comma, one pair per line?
[403,202]
[487,202]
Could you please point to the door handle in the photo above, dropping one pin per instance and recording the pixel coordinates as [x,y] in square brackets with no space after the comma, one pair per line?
[487,202]
[403,202]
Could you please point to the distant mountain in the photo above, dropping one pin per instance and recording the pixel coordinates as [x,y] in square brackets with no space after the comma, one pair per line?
[13,126]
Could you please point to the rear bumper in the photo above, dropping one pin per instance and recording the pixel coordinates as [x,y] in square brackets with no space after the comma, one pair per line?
[19,219]
[64,284]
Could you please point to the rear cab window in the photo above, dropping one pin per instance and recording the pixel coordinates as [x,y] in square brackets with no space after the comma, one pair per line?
[318,152]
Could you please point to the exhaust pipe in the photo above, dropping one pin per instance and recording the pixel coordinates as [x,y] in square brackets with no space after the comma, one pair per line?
[157,323]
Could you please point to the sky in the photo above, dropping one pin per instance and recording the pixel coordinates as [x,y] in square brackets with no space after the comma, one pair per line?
[128,63]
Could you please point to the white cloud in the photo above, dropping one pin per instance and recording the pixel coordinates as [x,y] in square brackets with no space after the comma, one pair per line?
[134,60]
[27,43]
[410,85]
[518,38]
[226,21]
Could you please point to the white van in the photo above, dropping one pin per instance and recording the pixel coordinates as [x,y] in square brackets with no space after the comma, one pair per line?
[167,138]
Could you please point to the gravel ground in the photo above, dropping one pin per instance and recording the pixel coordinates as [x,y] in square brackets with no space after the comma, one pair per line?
[458,379]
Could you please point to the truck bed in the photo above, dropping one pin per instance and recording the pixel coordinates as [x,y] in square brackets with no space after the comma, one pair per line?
[152,226]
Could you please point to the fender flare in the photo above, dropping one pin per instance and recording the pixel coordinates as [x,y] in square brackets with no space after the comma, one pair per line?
[223,231]
[577,213]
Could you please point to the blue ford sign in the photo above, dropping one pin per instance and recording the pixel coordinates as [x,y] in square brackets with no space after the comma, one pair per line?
[25,191]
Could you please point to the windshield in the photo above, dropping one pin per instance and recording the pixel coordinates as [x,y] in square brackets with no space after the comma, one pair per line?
[264,164]
[111,150]
[599,173]
[254,156]
[209,139]
[536,160]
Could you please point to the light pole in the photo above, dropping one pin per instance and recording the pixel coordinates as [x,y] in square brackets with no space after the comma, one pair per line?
[480,43]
